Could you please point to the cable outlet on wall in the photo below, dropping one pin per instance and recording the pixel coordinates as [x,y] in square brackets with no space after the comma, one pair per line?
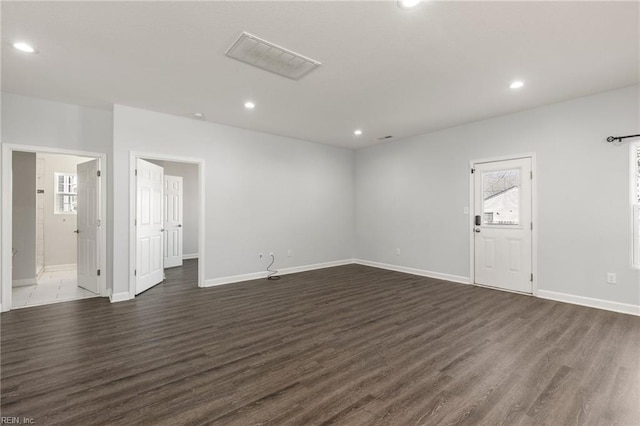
[465,210]
[611,278]
[397,252]
[260,255]
[271,254]
[289,253]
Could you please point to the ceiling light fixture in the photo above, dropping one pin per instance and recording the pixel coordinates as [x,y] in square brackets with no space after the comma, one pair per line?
[407,4]
[24,47]
[249,105]
[516,84]
[357,132]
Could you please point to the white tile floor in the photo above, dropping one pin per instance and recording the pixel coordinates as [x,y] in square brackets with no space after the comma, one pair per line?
[52,287]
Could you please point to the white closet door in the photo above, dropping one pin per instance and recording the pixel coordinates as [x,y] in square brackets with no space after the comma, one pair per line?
[149,222]
[173,201]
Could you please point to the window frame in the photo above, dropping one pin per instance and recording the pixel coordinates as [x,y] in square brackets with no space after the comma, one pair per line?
[57,192]
[634,180]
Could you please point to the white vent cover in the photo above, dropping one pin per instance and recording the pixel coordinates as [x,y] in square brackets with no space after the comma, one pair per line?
[268,56]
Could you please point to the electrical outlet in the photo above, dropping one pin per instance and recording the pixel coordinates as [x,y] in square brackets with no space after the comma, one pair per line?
[397,252]
[465,210]
[289,253]
[611,278]
[271,254]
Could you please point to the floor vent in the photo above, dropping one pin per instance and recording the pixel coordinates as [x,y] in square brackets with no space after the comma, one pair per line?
[260,53]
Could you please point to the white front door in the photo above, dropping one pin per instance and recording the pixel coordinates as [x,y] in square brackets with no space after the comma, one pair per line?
[173,194]
[503,224]
[149,222]
[88,227]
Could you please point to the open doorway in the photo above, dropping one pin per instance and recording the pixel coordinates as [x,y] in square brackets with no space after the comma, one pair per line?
[56,235]
[167,220]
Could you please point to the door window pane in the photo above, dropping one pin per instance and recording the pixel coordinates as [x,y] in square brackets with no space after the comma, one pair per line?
[501,197]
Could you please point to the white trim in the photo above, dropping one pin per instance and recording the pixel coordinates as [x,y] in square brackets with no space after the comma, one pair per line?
[234,279]
[119,297]
[56,268]
[534,215]
[607,305]
[134,156]
[189,256]
[23,282]
[635,207]
[286,271]
[414,271]
[7,213]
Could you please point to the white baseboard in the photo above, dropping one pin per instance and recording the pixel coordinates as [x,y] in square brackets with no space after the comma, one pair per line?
[189,256]
[607,305]
[23,282]
[56,268]
[119,297]
[414,271]
[285,271]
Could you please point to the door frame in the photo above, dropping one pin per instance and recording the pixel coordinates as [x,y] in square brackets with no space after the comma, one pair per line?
[133,255]
[534,218]
[7,213]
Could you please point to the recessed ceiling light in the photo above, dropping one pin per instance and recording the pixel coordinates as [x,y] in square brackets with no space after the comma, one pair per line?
[24,47]
[407,4]
[357,132]
[249,105]
[516,84]
[198,115]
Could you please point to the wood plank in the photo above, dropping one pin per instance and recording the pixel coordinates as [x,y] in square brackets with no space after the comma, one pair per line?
[344,345]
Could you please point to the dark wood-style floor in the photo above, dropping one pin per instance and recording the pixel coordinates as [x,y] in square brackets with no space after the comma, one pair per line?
[350,345]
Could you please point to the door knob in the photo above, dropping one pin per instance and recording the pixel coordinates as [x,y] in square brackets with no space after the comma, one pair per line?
[162,230]
[77,231]
[179,226]
[477,229]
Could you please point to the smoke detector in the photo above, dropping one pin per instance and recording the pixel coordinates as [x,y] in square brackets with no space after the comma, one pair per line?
[268,56]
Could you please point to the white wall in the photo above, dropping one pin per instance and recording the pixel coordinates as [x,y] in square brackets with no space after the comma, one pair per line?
[269,193]
[191,205]
[24,213]
[60,241]
[410,194]
[37,122]
[264,193]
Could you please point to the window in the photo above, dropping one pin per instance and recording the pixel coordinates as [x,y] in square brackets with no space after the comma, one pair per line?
[635,201]
[65,193]
[501,197]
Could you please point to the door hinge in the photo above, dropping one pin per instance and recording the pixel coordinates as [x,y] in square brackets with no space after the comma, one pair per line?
[531,278]
[135,272]
[532,226]
[98,173]
[135,222]
[531,174]
[136,172]
[473,171]
[98,272]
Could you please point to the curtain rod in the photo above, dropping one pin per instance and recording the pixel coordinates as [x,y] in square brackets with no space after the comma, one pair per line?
[619,138]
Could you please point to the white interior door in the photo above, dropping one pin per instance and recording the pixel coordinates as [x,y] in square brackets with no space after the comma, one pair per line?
[503,224]
[88,227]
[149,222]
[173,201]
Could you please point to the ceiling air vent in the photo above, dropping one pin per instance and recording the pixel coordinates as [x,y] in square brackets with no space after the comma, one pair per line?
[383,138]
[260,53]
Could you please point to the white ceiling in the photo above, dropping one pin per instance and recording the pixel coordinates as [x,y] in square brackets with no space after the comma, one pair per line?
[385,70]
